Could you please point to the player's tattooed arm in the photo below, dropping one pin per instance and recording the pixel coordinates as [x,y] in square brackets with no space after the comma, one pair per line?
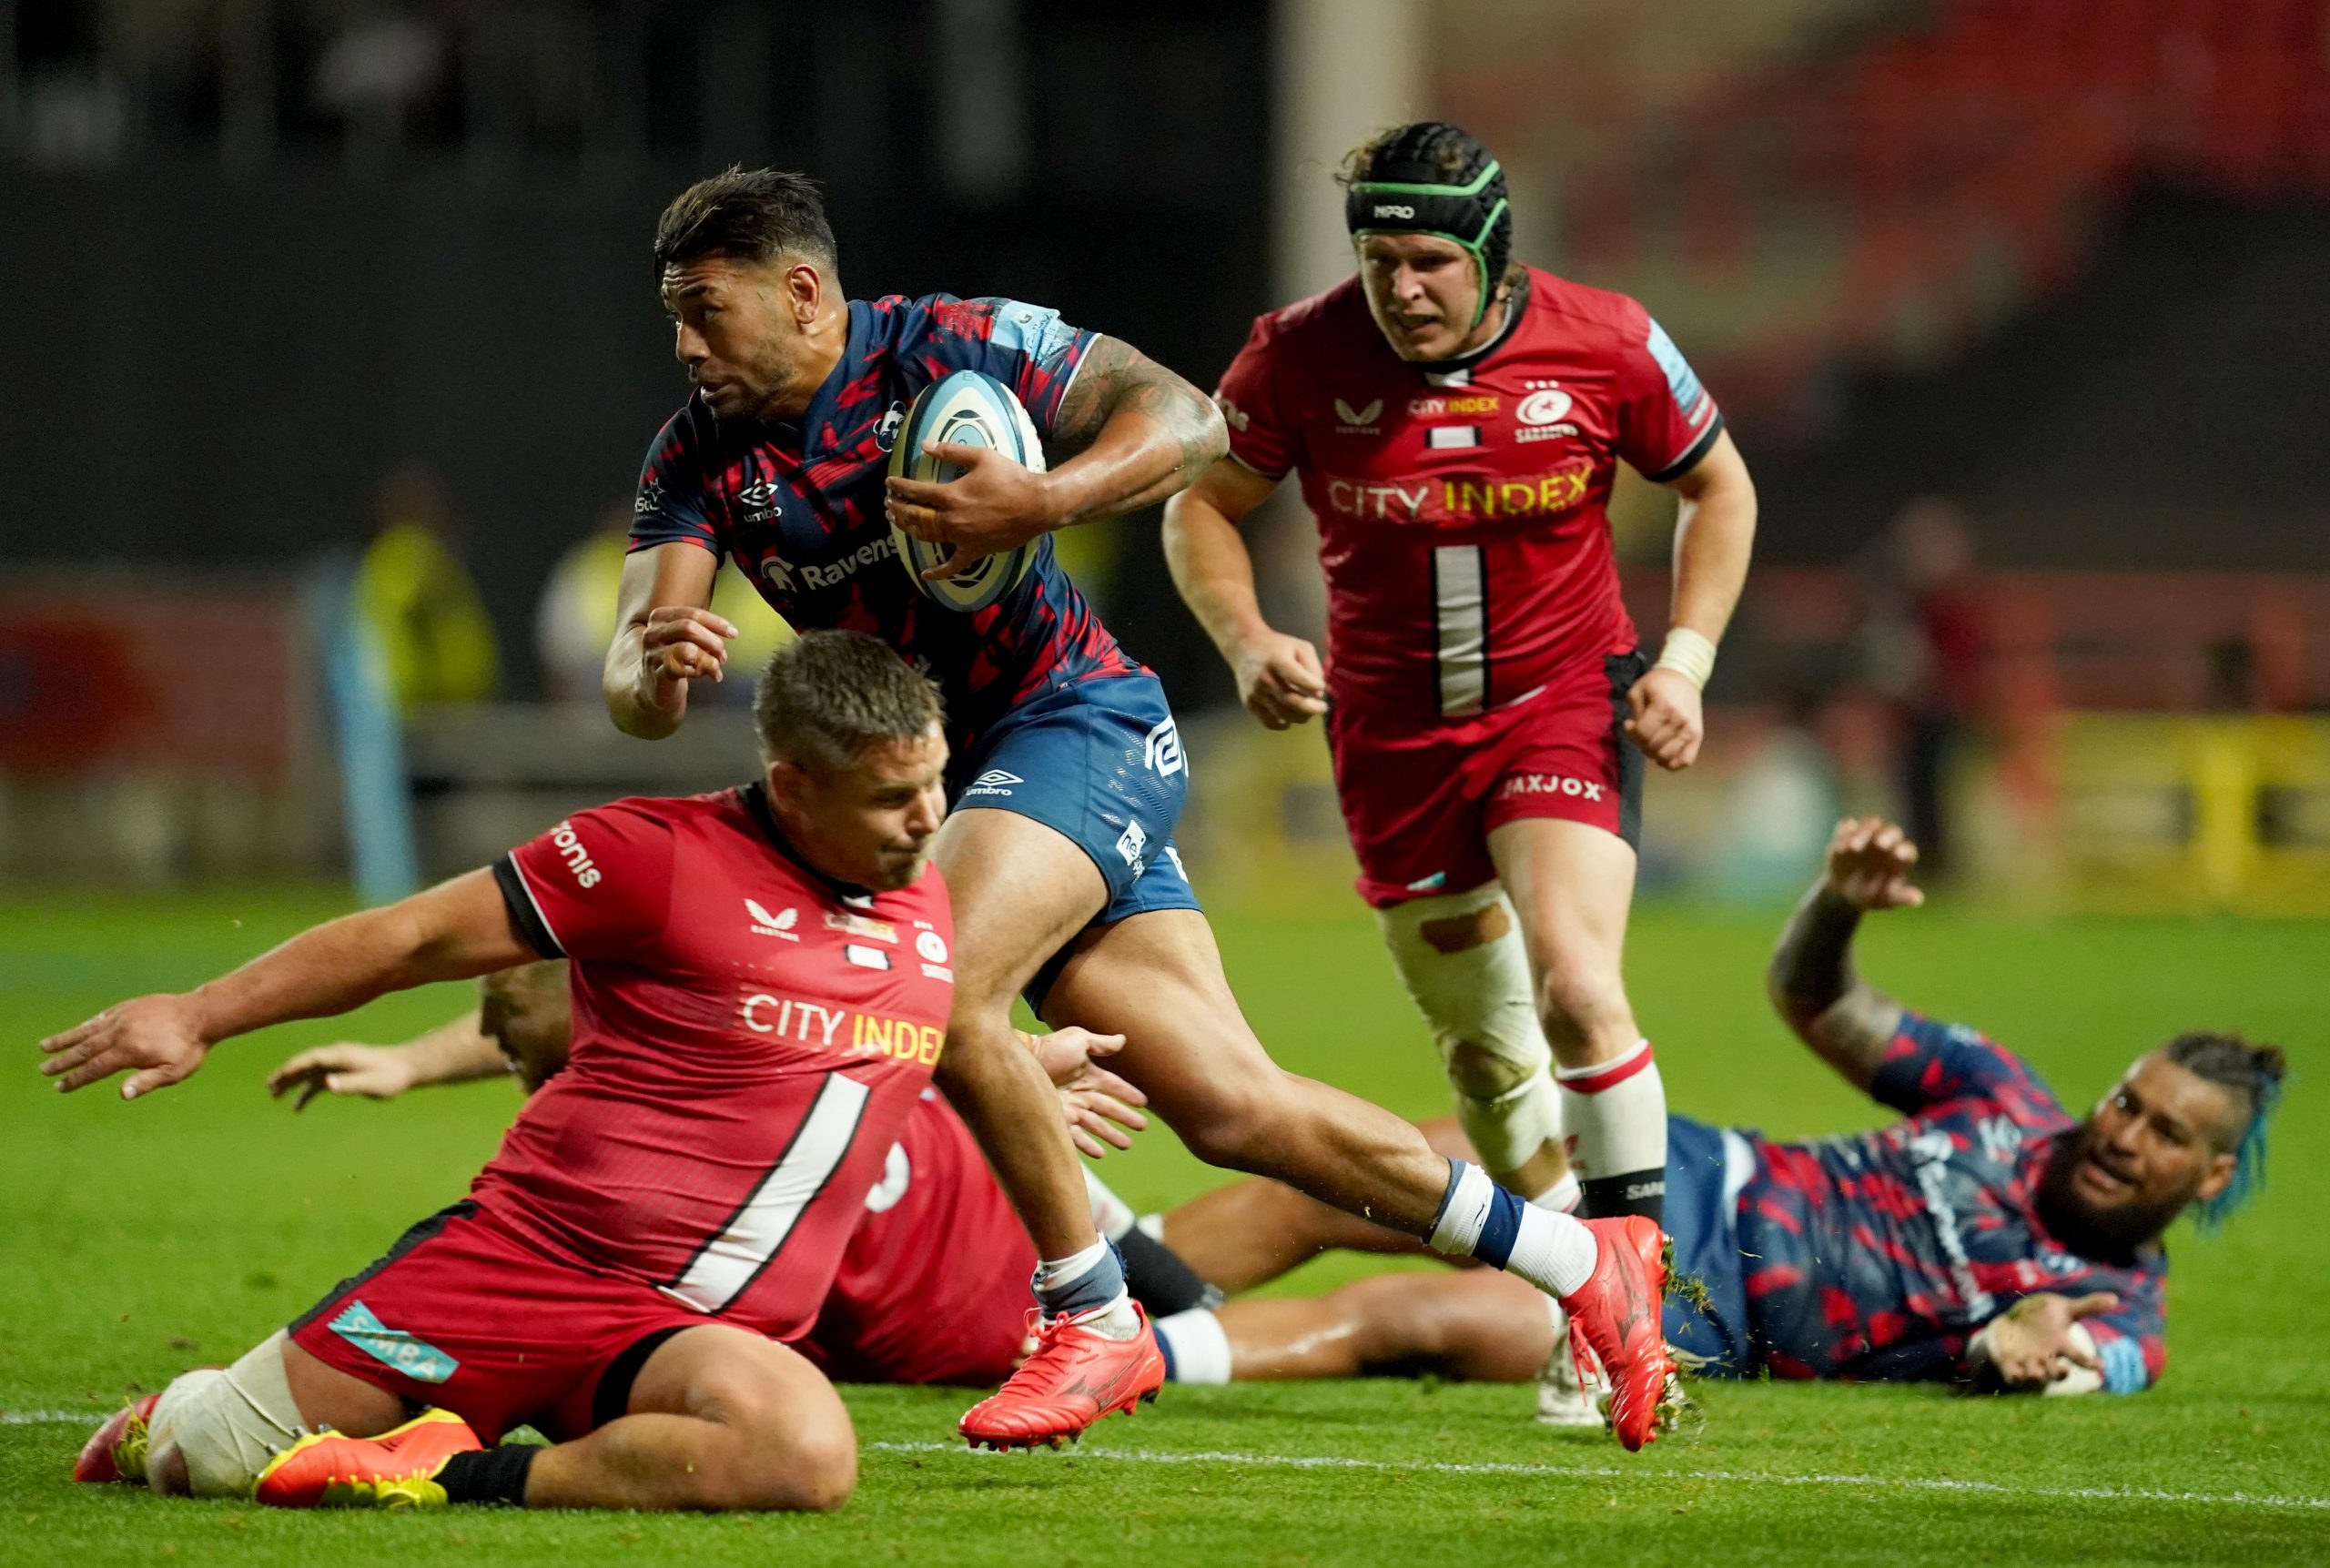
[1813,981]
[1139,433]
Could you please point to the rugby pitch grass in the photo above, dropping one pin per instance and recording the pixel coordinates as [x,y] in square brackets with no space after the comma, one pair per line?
[136,1240]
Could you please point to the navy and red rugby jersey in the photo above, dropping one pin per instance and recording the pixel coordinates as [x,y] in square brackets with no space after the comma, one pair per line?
[748,1039]
[1463,510]
[1879,1255]
[798,507]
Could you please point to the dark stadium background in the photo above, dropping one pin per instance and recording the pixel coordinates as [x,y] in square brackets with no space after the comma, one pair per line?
[2057,266]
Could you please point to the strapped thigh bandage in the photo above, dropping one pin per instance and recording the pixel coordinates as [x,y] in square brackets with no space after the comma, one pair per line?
[1482,1010]
[226,1424]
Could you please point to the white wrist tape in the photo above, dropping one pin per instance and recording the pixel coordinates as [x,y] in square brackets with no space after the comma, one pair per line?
[1689,654]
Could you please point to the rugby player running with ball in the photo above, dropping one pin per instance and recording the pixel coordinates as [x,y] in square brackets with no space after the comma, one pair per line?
[1068,774]
[1457,421]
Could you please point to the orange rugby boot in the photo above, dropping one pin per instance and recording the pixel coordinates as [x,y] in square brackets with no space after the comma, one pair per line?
[1074,1377]
[397,1469]
[117,1450]
[1617,1310]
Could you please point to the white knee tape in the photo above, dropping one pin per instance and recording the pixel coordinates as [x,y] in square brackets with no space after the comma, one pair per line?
[228,1424]
[1481,997]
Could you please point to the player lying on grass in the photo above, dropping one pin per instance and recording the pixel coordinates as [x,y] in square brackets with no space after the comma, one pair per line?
[1069,775]
[1833,1258]
[1987,1236]
[760,994]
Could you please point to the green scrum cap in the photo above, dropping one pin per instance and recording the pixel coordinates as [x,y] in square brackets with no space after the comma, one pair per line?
[1403,190]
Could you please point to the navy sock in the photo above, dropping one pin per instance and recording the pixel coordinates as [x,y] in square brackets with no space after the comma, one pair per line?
[1160,1278]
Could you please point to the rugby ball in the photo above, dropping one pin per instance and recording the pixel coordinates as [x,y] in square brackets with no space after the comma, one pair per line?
[971,410]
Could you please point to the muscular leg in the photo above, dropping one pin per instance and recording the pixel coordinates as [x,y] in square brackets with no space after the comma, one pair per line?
[1242,1235]
[1479,1325]
[1157,979]
[719,1419]
[1021,890]
[1571,885]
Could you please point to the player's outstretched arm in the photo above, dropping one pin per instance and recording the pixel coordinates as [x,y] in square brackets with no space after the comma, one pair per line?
[1714,534]
[1280,678]
[1812,978]
[452,1053]
[665,636]
[454,931]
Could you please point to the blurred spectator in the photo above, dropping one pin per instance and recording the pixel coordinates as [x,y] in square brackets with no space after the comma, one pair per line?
[435,639]
[575,618]
[1923,644]
[1780,807]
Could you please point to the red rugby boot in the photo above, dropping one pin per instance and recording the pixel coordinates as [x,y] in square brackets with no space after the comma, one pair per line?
[1617,1312]
[397,1469]
[117,1450]
[1074,1377]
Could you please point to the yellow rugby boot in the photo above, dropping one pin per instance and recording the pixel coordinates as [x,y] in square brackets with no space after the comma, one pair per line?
[397,1469]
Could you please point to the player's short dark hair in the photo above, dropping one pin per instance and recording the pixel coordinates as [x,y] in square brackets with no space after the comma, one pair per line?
[1452,153]
[828,696]
[752,214]
[2252,1075]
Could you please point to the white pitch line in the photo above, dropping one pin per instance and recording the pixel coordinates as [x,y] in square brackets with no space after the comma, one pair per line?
[1555,1471]
[1608,1472]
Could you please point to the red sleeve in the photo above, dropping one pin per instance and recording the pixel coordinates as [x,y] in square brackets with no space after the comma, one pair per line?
[1666,420]
[1259,437]
[597,885]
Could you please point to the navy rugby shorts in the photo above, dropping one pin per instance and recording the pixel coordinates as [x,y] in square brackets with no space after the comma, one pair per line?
[1099,762]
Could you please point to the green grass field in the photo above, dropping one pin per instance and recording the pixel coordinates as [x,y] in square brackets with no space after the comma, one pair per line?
[136,1240]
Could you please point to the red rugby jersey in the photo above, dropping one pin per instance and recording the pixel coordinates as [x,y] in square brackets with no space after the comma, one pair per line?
[1462,507]
[749,1037]
[933,1289]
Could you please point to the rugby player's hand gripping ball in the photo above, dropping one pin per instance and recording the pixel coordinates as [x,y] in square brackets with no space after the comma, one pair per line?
[965,497]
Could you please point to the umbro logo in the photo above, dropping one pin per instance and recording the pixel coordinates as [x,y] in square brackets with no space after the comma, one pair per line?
[767,924]
[994,781]
[762,502]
